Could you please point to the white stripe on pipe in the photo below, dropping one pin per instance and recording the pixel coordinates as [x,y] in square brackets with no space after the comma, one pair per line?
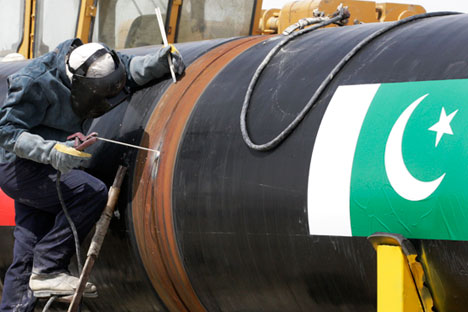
[328,193]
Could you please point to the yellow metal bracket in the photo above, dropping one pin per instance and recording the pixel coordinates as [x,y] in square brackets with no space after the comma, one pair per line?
[91,11]
[87,13]
[28,33]
[173,20]
[269,21]
[400,277]
[275,22]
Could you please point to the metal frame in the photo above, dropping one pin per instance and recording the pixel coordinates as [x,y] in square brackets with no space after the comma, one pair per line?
[172,19]
[24,33]
[87,14]
[256,16]
[86,18]
[25,47]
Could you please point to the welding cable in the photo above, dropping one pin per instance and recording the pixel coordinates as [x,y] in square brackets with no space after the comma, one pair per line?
[70,221]
[304,22]
[325,83]
[75,235]
[49,303]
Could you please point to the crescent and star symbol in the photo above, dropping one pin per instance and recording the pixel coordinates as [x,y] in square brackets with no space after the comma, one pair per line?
[402,181]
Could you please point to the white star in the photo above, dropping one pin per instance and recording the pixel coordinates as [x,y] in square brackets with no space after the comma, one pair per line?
[443,126]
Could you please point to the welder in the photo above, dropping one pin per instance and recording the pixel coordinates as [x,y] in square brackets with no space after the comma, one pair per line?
[48,100]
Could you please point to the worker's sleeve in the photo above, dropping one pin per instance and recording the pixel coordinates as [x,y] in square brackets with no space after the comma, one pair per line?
[24,108]
[147,68]
[126,60]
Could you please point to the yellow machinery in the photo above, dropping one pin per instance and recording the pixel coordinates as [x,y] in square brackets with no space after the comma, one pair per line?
[37,26]
[276,21]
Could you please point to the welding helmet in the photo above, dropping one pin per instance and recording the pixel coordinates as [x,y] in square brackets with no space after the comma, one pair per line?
[97,78]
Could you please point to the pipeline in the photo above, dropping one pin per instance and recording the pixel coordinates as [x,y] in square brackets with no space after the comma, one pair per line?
[213,225]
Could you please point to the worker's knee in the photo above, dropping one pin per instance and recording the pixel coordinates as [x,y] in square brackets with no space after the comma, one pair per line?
[102,197]
[101,190]
[88,194]
[93,196]
[99,193]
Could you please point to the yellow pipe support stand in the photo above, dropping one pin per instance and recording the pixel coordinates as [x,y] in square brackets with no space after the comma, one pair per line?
[396,291]
[400,277]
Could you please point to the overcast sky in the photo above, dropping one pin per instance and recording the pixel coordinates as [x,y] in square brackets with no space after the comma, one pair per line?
[429,5]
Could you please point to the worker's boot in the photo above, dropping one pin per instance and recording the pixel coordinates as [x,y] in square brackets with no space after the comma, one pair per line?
[59,284]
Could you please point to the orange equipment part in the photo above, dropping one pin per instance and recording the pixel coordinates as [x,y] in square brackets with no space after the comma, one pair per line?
[396,11]
[275,21]
[7,210]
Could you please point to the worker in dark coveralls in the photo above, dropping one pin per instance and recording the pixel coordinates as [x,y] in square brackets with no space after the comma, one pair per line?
[47,101]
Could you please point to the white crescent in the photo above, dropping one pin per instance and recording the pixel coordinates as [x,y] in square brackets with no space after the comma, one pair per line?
[400,178]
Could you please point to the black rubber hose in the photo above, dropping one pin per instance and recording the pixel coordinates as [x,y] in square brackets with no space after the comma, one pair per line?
[70,221]
[75,236]
[49,303]
[280,138]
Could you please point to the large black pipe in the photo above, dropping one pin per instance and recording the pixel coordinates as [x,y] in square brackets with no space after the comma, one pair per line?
[121,279]
[240,217]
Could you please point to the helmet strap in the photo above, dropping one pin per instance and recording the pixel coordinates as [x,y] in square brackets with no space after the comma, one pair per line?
[83,69]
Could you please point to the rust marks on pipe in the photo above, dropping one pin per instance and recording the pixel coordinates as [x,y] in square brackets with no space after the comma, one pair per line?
[152,200]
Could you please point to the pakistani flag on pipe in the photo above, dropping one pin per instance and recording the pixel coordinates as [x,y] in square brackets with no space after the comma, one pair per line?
[392,158]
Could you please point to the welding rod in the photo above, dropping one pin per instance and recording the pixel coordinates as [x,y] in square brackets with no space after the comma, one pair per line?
[130,145]
[166,43]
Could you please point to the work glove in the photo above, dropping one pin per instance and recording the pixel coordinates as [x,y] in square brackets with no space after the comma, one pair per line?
[60,155]
[177,61]
[144,69]
[65,158]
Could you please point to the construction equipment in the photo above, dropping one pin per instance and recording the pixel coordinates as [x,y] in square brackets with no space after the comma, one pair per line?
[129,24]
[121,24]
[275,21]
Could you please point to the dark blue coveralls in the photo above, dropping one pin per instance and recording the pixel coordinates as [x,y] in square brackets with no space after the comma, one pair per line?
[39,102]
